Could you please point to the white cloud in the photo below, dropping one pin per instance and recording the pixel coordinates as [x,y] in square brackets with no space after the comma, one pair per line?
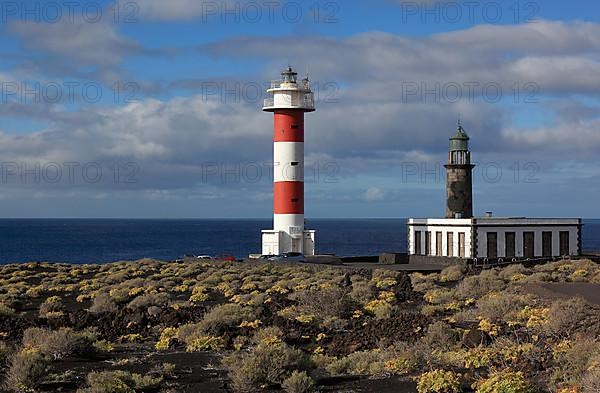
[555,55]
[374,194]
[567,139]
[83,42]
[184,10]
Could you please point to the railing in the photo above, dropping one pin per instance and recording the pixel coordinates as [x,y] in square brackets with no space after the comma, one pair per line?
[309,100]
[301,85]
[306,101]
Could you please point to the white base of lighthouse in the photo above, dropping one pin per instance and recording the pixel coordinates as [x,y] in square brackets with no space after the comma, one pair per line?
[276,242]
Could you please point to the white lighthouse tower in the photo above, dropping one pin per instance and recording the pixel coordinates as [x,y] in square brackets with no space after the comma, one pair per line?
[289,100]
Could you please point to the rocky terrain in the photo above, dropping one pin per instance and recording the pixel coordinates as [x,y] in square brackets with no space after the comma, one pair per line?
[208,326]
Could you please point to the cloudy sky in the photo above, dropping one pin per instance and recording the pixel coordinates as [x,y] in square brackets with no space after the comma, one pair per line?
[152,108]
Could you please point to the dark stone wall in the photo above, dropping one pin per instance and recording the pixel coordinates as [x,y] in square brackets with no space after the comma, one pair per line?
[459,190]
[431,259]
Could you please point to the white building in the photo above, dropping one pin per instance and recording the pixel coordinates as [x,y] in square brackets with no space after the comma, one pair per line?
[492,237]
[460,235]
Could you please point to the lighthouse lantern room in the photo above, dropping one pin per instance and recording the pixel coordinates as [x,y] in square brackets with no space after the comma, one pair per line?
[288,99]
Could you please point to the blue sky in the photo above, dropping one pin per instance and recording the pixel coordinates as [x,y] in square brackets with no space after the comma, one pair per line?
[154,110]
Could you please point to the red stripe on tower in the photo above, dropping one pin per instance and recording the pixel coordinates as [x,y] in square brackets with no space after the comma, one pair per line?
[289,126]
[288,197]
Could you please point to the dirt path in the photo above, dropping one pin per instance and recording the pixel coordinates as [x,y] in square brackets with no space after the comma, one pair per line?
[589,292]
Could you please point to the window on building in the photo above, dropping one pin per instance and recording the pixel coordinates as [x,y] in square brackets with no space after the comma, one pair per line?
[450,244]
[564,243]
[546,244]
[492,244]
[461,244]
[529,244]
[509,244]
[427,243]
[438,244]
[418,249]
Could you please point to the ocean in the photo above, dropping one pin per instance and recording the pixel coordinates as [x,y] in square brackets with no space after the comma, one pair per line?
[100,241]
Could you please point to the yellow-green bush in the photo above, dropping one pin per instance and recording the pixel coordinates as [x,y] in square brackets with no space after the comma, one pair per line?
[205,343]
[26,370]
[439,381]
[453,273]
[504,382]
[298,382]
[263,364]
[119,382]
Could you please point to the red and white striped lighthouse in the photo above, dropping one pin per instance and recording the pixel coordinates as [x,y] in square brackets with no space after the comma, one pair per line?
[289,100]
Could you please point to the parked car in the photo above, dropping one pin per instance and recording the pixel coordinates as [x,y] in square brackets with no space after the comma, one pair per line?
[288,257]
[203,257]
[226,258]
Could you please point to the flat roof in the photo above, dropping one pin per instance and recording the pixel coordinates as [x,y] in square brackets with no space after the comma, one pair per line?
[494,221]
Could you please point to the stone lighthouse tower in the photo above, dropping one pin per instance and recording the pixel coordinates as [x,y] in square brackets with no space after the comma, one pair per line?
[459,178]
[289,100]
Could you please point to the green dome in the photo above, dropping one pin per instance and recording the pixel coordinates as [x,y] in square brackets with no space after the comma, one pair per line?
[460,140]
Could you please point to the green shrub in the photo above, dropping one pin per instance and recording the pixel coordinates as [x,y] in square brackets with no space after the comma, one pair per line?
[439,295]
[205,343]
[423,283]
[6,311]
[52,307]
[358,363]
[267,335]
[26,369]
[591,381]
[453,273]
[220,318]
[298,382]
[323,301]
[566,317]
[572,359]
[362,291]
[4,354]
[61,343]
[480,285]
[504,382]
[119,382]
[496,307]
[264,364]
[440,336]
[511,271]
[103,303]
[439,381]
[148,300]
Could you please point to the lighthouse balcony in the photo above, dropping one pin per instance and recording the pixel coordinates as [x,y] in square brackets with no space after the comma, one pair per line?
[284,85]
[304,101]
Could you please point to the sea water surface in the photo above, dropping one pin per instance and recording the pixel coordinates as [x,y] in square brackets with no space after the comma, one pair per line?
[97,241]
